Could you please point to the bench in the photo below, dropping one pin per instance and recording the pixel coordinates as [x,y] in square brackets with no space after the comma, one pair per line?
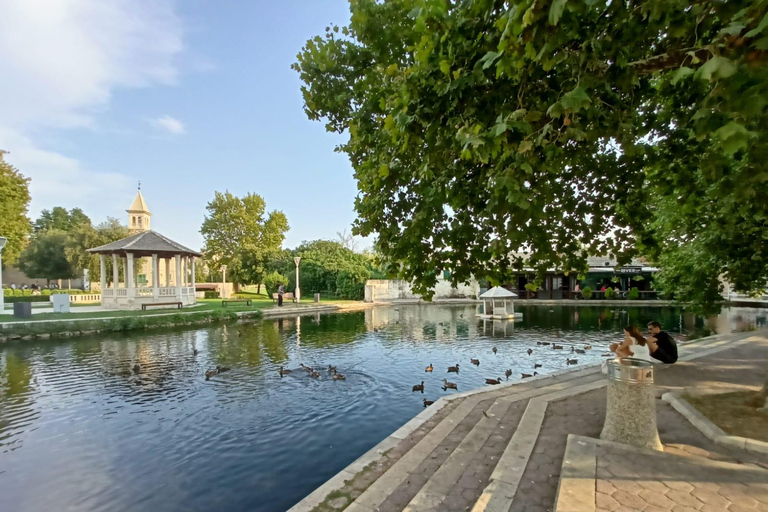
[226,301]
[144,306]
[286,296]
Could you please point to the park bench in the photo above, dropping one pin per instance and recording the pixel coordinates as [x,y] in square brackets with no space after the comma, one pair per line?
[227,301]
[144,306]
[286,296]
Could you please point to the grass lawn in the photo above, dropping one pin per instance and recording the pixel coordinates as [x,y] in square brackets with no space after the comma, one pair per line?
[735,413]
[258,302]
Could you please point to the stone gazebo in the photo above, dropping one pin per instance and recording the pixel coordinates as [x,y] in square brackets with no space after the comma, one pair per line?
[497,304]
[179,286]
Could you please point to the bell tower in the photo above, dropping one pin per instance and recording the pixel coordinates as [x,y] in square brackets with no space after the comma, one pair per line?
[138,214]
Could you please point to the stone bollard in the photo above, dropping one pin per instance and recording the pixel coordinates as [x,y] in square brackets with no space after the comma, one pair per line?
[317,297]
[630,416]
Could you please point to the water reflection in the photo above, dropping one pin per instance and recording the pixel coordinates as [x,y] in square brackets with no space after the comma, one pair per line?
[77,421]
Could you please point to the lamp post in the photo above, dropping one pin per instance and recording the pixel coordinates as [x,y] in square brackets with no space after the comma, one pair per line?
[223,281]
[297,260]
[3,241]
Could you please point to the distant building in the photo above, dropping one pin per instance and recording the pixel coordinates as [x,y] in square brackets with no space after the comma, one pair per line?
[139,218]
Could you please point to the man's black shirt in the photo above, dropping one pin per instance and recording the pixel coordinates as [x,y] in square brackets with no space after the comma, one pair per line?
[667,351]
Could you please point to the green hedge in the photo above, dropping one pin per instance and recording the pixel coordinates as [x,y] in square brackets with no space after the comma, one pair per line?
[212,294]
[31,298]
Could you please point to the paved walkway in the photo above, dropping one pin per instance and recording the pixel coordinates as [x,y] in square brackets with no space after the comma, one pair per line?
[502,449]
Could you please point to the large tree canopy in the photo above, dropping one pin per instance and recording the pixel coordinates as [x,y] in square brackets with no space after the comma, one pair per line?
[482,129]
[14,202]
[240,234]
[61,219]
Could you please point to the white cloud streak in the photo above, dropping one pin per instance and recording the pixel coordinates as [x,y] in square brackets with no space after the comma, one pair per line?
[170,125]
[60,61]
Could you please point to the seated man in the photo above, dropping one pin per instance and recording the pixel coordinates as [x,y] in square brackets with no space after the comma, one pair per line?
[663,347]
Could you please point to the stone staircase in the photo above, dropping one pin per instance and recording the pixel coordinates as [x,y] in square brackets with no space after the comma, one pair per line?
[514,449]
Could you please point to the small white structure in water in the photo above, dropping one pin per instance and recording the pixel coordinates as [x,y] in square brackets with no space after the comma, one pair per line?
[497,304]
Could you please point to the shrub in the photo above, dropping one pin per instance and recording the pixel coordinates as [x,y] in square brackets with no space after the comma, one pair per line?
[634,293]
[212,294]
[586,292]
[273,280]
[45,292]
[7,292]
[610,293]
[31,298]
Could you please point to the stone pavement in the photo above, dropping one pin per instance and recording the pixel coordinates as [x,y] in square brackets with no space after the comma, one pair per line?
[502,449]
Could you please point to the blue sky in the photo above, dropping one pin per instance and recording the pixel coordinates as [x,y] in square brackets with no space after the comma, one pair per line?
[189,97]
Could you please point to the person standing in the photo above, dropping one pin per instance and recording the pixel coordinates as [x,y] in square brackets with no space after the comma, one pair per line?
[663,347]
[577,290]
[280,292]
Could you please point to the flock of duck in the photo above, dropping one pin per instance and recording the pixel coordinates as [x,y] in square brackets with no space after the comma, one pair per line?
[313,372]
[508,373]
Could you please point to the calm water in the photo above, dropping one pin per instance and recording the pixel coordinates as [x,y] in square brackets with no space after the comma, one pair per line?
[80,431]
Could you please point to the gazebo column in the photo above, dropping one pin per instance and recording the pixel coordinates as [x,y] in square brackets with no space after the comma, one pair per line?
[167,272]
[129,283]
[155,278]
[194,278]
[115,277]
[103,273]
[178,276]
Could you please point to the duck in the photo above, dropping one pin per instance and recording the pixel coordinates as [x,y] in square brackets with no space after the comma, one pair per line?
[305,368]
[427,403]
[543,343]
[314,374]
[209,374]
[493,381]
[449,385]
[429,368]
[331,368]
[587,347]
[607,354]
[194,352]
[536,365]
[557,347]
[419,387]
[338,376]
[580,351]
[136,368]
[283,371]
[530,351]
[508,373]
[494,350]
[528,375]
[475,362]
[453,369]
[222,369]
[571,361]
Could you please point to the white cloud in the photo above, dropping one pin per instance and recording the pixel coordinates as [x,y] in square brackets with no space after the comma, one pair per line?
[170,125]
[60,61]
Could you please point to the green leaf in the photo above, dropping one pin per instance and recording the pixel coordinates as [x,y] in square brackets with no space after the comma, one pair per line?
[489,58]
[733,137]
[525,146]
[383,171]
[759,28]
[576,99]
[445,67]
[680,74]
[715,68]
[556,11]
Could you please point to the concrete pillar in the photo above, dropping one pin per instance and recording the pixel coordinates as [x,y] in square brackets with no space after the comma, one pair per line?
[129,278]
[155,278]
[167,272]
[115,277]
[178,276]
[194,278]
[103,271]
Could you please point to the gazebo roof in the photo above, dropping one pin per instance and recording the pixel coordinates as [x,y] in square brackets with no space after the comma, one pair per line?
[497,292]
[145,243]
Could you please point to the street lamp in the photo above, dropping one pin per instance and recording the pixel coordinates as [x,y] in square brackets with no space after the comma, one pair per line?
[3,241]
[223,281]
[297,260]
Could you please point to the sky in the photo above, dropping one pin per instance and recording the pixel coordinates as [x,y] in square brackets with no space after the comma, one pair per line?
[189,97]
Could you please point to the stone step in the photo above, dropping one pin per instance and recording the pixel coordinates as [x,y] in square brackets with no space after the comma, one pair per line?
[602,475]
[378,492]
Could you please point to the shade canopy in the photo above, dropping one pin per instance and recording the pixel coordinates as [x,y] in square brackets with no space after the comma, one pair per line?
[145,244]
[497,292]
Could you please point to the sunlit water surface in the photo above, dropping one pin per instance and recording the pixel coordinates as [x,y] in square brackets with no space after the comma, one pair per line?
[79,430]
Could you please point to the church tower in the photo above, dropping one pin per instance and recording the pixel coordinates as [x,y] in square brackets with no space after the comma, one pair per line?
[138,214]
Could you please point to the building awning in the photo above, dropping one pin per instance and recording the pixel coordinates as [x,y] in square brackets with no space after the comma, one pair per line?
[497,292]
[145,244]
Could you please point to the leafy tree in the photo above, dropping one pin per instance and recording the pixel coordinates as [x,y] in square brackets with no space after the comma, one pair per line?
[84,237]
[273,280]
[347,240]
[240,234]
[61,219]
[44,257]
[491,135]
[328,267]
[14,203]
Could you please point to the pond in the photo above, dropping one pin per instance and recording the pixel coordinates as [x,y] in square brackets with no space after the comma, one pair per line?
[80,430]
